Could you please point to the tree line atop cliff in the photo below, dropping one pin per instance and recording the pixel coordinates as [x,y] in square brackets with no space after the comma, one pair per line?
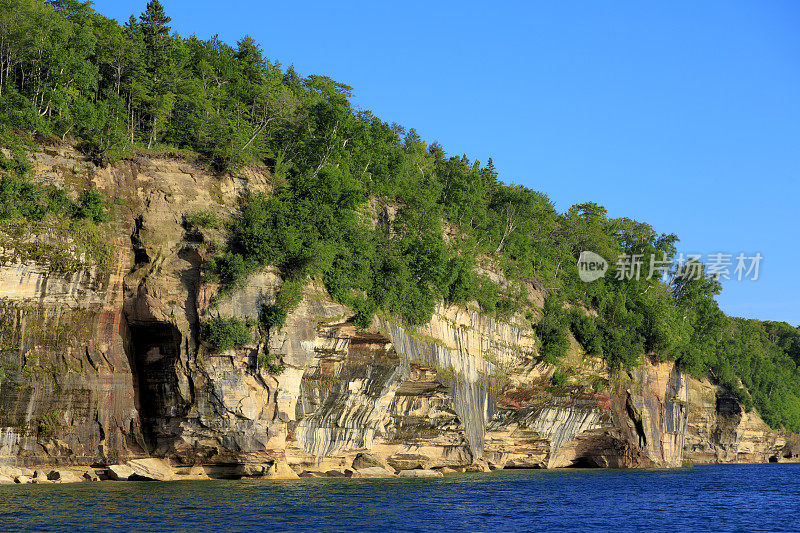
[442,222]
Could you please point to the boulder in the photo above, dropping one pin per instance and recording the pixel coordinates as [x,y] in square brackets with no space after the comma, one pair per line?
[334,473]
[23,480]
[367,460]
[119,472]
[478,466]
[373,471]
[150,469]
[419,472]
[447,470]
[91,475]
[408,461]
[309,473]
[40,476]
[5,480]
[63,476]
[10,471]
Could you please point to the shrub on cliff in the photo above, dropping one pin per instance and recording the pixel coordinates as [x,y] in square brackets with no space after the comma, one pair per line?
[584,328]
[20,198]
[91,205]
[552,330]
[226,333]
[273,316]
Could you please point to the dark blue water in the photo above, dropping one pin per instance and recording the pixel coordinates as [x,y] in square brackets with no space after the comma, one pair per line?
[704,498]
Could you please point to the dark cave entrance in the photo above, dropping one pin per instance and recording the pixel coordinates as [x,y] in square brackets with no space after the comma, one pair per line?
[584,462]
[773,459]
[155,348]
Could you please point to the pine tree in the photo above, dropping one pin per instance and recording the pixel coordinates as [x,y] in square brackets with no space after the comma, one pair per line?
[155,33]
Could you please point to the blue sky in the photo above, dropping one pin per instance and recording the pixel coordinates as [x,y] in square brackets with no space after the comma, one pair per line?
[685,115]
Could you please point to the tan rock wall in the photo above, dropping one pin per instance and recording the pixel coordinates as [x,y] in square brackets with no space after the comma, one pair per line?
[104,364]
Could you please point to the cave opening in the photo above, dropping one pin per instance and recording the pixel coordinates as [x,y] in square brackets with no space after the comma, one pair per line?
[773,459]
[583,462]
[155,348]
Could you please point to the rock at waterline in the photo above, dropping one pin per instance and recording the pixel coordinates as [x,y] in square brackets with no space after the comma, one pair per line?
[150,469]
[63,476]
[367,460]
[14,471]
[419,472]
[373,471]
[281,470]
[22,480]
[120,472]
[5,480]
[309,473]
[477,466]
[40,476]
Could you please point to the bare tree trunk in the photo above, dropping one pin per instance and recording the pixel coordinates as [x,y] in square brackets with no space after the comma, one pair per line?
[152,134]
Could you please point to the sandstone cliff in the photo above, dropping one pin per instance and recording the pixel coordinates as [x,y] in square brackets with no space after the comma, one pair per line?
[102,361]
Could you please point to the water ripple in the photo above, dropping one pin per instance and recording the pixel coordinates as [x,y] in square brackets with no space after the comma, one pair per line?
[705,498]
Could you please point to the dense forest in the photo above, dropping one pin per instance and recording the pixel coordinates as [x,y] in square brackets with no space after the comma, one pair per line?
[444,221]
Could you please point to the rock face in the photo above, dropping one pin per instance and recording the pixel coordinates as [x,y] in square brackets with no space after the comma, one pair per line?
[103,363]
[721,431]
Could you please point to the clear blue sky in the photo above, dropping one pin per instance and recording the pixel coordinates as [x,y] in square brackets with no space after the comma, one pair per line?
[685,115]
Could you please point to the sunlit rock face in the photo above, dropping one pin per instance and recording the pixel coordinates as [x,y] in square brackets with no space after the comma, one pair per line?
[719,430]
[103,364]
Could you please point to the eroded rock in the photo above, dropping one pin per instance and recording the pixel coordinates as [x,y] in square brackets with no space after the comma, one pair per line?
[150,469]
[281,470]
[120,472]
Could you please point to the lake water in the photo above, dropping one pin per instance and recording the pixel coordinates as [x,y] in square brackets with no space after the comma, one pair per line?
[730,497]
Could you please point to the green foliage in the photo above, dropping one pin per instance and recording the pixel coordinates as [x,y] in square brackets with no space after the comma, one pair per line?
[206,219]
[92,206]
[552,330]
[584,328]
[273,316]
[226,333]
[228,268]
[48,424]
[559,378]
[20,198]
[266,361]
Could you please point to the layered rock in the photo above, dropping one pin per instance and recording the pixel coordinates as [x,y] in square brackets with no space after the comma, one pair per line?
[721,431]
[103,363]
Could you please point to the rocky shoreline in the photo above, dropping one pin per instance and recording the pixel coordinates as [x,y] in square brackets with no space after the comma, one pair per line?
[365,465]
[153,469]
